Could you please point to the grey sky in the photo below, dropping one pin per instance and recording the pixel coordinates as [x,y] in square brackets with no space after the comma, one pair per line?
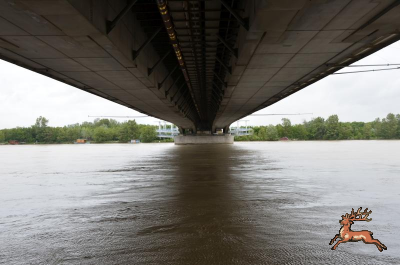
[25,95]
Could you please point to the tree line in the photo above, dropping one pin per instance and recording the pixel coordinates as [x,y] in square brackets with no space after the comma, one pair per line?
[100,131]
[329,129]
[110,130]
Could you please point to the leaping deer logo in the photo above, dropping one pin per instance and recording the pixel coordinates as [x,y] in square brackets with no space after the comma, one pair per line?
[347,235]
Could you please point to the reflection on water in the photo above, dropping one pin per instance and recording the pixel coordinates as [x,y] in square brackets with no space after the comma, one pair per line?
[247,203]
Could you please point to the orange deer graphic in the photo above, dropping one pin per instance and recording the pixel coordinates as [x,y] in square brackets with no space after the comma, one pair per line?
[348,235]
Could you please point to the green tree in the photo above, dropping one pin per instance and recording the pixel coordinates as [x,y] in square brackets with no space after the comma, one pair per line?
[87,132]
[358,130]
[106,130]
[41,133]
[147,134]
[299,132]
[87,124]
[346,131]
[389,127]
[129,130]
[271,133]
[315,129]
[265,133]
[377,127]
[2,136]
[256,130]
[101,134]
[287,128]
[332,128]
[280,130]
[73,132]
[48,135]
[109,123]
[19,134]
[261,133]
[41,122]
[398,126]
[368,132]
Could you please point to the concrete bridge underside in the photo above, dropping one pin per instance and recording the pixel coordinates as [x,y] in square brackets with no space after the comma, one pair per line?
[199,64]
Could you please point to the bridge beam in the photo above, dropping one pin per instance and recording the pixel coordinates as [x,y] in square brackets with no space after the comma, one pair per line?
[243,22]
[228,46]
[178,90]
[173,84]
[278,56]
[220,79]
[227,68]
[168,75]
[111,24]
[150,70]
[135,53]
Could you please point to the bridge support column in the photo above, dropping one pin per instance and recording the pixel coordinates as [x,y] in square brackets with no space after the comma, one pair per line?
[203,139]
[226,129]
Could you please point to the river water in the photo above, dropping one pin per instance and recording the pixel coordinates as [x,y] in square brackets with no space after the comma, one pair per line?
[247,203]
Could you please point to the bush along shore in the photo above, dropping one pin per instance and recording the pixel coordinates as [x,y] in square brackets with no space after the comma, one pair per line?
[98,131]
[112,131]
[329,129]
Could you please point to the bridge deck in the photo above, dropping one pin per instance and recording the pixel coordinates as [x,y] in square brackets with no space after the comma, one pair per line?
[199,64]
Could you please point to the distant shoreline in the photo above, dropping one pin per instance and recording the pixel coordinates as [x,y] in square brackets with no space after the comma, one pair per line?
[112,131]
[82,144]
[156,142]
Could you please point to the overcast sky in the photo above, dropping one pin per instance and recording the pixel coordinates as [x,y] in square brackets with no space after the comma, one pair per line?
[25,95]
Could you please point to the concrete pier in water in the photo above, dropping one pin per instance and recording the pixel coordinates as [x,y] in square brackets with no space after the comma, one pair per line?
[203,139]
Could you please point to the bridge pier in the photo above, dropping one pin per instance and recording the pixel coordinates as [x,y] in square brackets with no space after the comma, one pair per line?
[203,139]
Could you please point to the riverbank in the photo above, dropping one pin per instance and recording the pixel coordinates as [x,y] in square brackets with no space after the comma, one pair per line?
[171,141]
[71,143]
[109,130]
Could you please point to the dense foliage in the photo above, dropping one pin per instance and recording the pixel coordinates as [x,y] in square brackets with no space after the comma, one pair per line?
[329,129]
[109,130]
[100,131]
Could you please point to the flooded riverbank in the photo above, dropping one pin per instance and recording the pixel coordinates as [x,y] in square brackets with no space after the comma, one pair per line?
[247,203]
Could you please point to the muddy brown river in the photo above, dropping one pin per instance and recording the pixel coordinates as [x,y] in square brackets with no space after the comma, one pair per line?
[247,203]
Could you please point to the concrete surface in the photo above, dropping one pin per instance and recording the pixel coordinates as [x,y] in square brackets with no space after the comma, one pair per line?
[203,139]
[289,45]
[290,42]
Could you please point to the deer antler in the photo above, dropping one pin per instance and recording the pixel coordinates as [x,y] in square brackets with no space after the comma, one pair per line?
[353,216]
[346,216]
